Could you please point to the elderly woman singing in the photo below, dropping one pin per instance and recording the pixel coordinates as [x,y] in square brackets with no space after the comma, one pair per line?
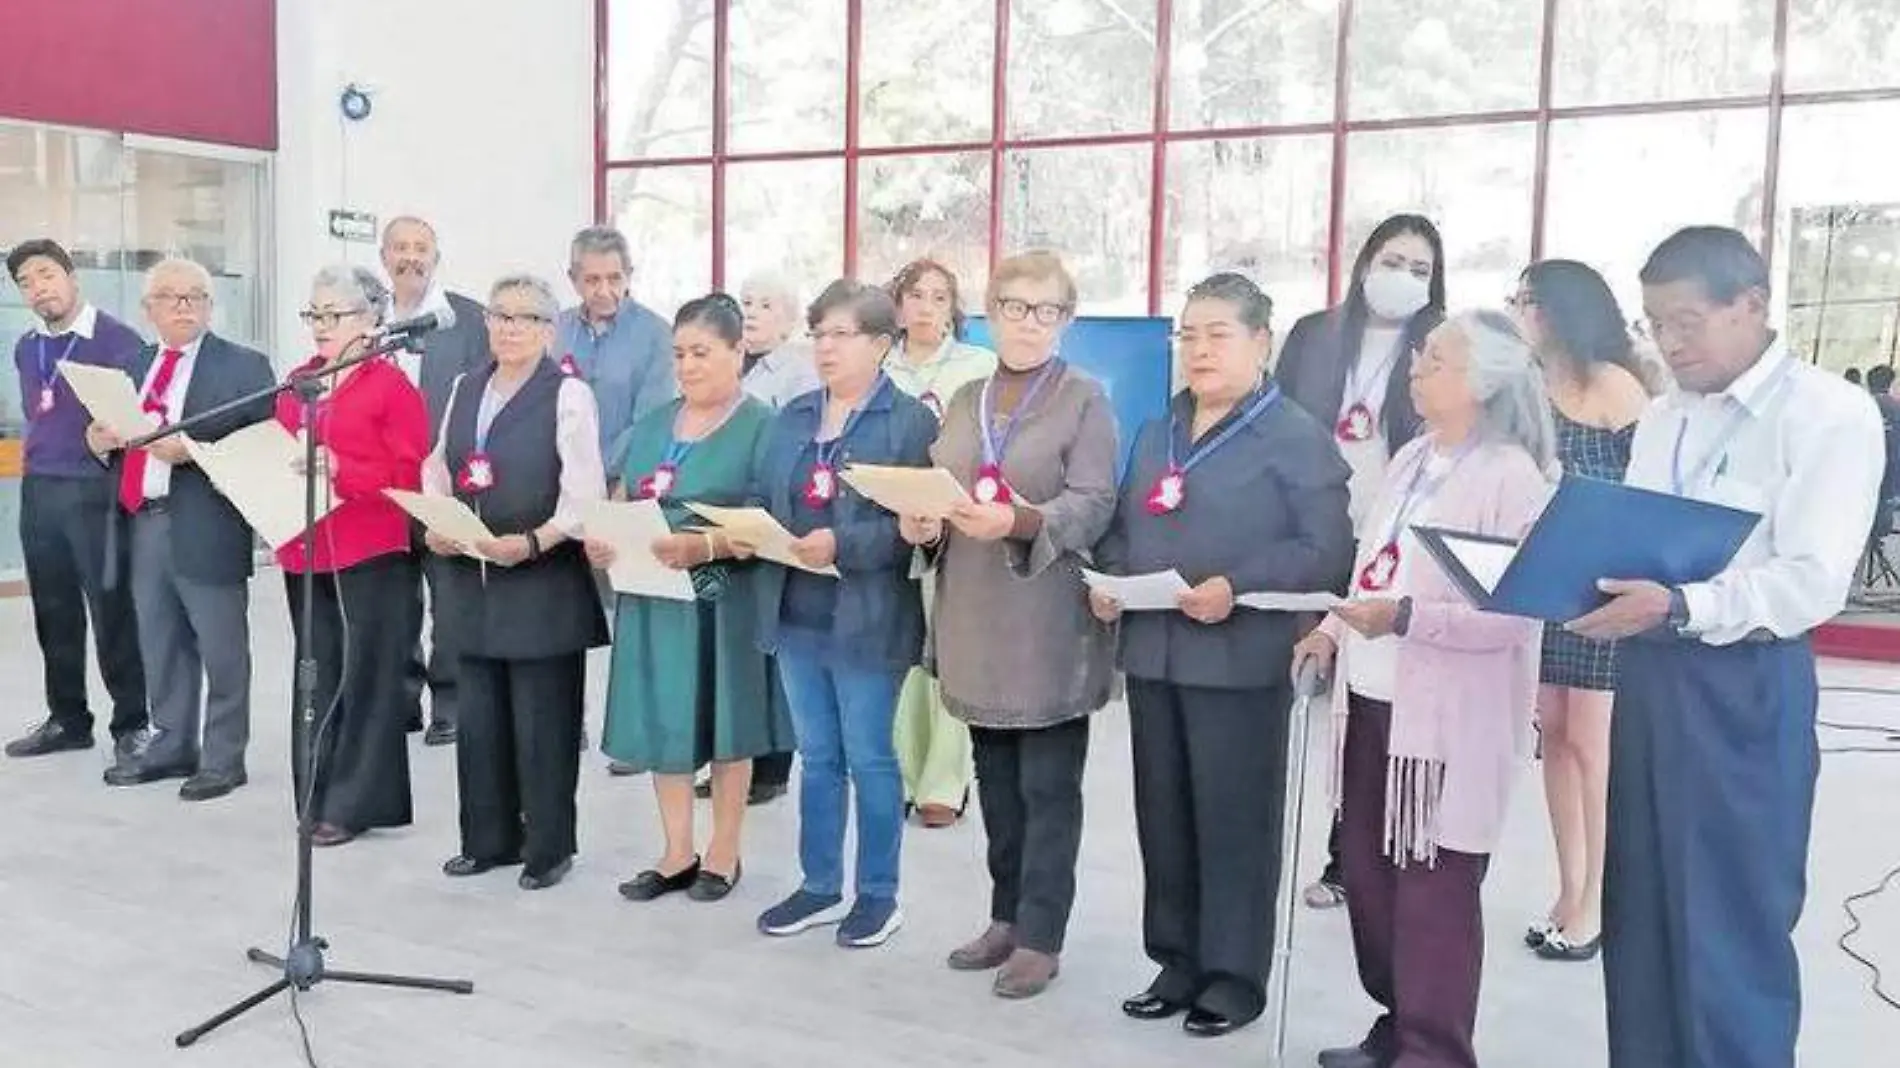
[1437,697]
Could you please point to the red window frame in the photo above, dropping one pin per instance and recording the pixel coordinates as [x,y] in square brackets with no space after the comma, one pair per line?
[1158,136]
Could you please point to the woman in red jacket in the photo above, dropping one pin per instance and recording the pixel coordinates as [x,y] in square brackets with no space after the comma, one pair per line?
[372,431]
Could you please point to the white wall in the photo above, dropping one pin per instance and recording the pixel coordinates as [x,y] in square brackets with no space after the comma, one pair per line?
[483,124]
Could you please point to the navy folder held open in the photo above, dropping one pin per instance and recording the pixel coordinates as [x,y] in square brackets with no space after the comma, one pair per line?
[1591,530]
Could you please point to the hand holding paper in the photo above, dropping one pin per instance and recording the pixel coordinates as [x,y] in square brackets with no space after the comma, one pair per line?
[445,517]
[1157,592]
[631,528]
[108,393]
[257,470]
[926,492]
[755,528]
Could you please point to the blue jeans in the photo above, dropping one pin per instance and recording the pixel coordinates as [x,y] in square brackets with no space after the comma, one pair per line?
[843,717]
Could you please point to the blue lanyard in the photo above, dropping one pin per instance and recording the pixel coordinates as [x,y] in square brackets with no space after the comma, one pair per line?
[49,373]
[828,449]
[1203,451]
[676,449]
[992,447]
[1772,390]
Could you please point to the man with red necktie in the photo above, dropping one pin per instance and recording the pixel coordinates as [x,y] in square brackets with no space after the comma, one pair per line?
[191,552]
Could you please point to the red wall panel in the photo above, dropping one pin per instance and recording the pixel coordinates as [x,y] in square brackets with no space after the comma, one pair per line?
[204,70]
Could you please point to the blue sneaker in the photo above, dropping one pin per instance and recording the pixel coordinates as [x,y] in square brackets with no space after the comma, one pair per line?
[872,922]
[800,913]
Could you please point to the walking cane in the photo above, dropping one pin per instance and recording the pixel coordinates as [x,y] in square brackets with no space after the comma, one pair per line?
[1307,685]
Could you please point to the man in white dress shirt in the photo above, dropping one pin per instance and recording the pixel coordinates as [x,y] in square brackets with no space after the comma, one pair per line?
[1713,754]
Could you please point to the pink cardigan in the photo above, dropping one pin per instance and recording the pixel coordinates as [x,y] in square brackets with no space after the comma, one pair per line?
[1468,679]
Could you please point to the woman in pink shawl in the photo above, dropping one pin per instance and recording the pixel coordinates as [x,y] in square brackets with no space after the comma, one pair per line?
[1436,698]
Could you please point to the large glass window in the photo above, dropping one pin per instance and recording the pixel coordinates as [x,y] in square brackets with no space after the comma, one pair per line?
[1262,135]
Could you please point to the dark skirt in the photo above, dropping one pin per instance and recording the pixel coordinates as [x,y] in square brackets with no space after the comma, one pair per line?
[361,646]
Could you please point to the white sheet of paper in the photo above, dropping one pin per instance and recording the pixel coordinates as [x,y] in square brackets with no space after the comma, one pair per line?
[1287,602]
[1486,560]
[445,516]
[631,527]
[928,492]
[256,470]
[756,527]
[1157,592]
[111,397]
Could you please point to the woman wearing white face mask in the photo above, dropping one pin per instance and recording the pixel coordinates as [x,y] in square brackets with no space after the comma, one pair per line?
[1348,367]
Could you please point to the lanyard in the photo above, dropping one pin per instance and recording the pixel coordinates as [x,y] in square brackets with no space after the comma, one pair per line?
[677,449]
[827,449]
[1202,451]
[49,373]
[992,447]
[1418,492]
[1359,391]
[1772,389]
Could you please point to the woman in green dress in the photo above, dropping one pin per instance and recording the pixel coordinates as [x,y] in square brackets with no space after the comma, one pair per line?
[689,686]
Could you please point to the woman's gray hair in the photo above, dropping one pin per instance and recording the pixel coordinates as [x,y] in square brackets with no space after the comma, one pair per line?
[356,285]
[534,286]
[1513,403]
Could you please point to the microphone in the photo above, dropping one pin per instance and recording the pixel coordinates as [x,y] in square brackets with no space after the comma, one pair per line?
[428,322]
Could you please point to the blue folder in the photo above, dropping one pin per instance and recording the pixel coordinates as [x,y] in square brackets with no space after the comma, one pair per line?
[1591,530]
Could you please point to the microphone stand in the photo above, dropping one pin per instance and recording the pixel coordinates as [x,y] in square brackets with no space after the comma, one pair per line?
[302,965]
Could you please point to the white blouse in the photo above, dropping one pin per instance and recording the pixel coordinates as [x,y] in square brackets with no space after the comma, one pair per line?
[576,441]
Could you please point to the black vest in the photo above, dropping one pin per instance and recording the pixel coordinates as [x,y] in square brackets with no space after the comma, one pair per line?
[538,608]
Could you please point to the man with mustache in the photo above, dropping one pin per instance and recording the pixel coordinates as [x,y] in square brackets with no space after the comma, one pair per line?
[433,362]
[65,503]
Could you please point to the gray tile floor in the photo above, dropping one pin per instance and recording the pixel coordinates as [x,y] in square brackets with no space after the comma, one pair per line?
[124,916]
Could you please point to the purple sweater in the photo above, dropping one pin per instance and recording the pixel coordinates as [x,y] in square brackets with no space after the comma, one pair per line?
[56,440]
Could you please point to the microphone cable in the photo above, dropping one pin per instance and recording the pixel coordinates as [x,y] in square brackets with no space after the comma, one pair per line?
[1891,736]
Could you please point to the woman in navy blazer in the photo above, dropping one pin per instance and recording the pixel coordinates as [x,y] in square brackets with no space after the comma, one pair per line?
[843,644]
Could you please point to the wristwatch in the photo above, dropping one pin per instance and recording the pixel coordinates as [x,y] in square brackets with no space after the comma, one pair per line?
[1402,619]
[1678,610]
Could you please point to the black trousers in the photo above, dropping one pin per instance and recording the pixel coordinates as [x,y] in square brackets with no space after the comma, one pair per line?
[1210,789]
[518,757]
[359,623]
[1029,783]
[434,670]
[63,537]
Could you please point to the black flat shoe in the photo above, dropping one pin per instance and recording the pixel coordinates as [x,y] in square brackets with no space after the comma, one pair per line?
[47,738]
[462,866]
[1152,1006]
[764,793]
[134,773]
[543,880]
[211,785]
[1556,946]
[1206,1023]
[620,769]
[712,886]
[1349,1057]
[650,885]
[441,732]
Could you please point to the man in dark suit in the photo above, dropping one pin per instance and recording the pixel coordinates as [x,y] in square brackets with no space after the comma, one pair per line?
[191,552]
[411,256]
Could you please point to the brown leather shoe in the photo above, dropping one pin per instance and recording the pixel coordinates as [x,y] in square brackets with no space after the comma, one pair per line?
[989,950]
[937,817]
[1025,974]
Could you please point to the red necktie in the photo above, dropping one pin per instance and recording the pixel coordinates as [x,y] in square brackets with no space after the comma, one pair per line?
[132,477]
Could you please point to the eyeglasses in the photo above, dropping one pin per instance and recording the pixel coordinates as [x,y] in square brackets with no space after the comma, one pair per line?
[1520,301]
[833,335]
[178,300]
[326,319]
[1017,310]
[525,319]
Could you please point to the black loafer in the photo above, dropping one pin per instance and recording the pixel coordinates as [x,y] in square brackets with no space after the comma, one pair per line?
[1151,1006]
[764,793]
[1560,947]
[211,785]
[1206,1023]
[650,885]
[48,738]
[712,886]
[134,773]
[543,880]
[462,865]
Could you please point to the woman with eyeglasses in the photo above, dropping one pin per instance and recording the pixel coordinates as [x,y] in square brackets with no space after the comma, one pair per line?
[371,432]
[1018,657]
[1571,319]
[933,363]
[520,446]
[689,687]
[1241,492]
[1434,697]
[1348,367]
[848,624]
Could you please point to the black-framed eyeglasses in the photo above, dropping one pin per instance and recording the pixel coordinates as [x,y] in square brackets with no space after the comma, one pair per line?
[835,334]
[1017,310]
[179,300]
[327,318]
[508,319]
